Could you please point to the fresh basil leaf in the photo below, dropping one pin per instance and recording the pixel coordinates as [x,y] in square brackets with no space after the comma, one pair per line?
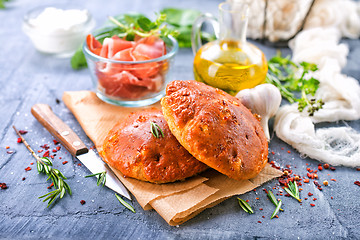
[184,37]
[129,18]
[180,17]
[145,24]
[78,61]
[132,21]
[130,37]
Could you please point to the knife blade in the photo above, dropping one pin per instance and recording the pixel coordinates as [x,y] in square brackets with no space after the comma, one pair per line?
[71,141]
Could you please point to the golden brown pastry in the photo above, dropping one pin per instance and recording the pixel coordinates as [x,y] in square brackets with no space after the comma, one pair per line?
[215,128]
[131,148]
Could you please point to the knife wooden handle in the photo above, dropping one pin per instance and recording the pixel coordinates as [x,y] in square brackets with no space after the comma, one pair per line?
[59,129]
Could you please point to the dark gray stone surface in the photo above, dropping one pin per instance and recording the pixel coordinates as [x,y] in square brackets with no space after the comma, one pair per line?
[28,77]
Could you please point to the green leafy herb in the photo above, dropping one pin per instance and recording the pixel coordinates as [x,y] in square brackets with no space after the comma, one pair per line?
[182,20]
[101,177]
[44,165]
[123,202]
[293,190]
[78,60]
[278,207]
[283,73]
[2,3]
[245,206]
[156,130]
[142,26]
[146,24]
[181,17]
[127,26]
[112,29]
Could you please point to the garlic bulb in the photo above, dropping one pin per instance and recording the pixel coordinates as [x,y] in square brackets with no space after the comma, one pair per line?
[263,100]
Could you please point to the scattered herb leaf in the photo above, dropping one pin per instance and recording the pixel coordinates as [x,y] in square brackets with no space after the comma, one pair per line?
[278,207]
[273,199]
[123,202]
[156,130]
[283,73]
[101,177]
[293,190]
[245,206]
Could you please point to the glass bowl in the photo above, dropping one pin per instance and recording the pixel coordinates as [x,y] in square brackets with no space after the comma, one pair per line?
[57,34]
[131,83]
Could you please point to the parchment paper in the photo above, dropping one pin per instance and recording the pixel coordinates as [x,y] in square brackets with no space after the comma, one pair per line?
[175,202]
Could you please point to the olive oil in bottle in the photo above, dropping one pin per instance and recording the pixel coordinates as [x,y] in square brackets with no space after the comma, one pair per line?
[230,65]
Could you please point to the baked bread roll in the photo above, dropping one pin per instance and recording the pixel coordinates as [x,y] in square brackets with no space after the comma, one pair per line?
[131,148]
[215,128]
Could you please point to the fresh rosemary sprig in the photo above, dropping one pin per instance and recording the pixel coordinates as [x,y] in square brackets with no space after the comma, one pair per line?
[44,165]
[275,202]
[156,130]
[273,199]
[123,202]
[278,207]
[101,177]
[293,190]
[283,73]
[245,206]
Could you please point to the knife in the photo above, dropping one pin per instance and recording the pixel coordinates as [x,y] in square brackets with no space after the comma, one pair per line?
[71,141]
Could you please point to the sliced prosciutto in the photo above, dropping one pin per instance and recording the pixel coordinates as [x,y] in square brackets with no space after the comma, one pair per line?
[130,80]
[113,45]
[93,44]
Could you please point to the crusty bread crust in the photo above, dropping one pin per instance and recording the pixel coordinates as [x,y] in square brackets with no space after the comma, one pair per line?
[131,148]
[215,128]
